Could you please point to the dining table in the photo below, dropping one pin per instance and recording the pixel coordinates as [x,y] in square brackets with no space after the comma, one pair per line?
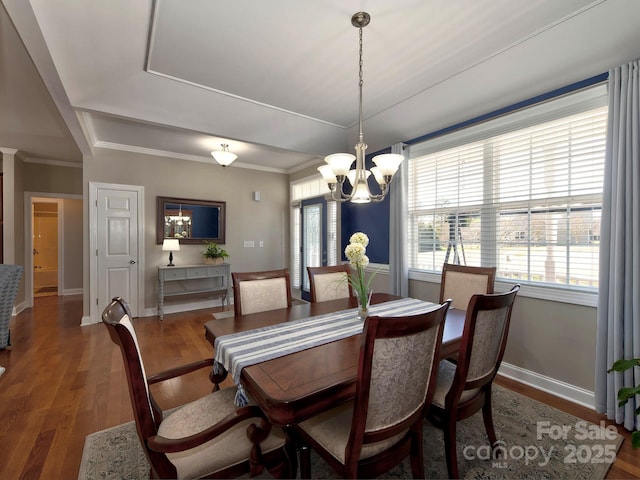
[299,385]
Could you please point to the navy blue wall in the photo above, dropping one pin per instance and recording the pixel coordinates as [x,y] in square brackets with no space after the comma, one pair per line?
[369,218]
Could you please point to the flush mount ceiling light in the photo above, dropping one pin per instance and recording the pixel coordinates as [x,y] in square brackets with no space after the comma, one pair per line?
[224,157]
[338,166]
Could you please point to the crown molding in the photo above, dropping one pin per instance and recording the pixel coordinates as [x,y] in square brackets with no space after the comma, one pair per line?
[182,156]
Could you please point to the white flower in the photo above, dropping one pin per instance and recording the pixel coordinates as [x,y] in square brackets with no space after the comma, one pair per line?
[355,252]
[361,262]
[360,238]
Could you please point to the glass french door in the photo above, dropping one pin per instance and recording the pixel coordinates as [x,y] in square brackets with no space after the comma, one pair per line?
[313,244]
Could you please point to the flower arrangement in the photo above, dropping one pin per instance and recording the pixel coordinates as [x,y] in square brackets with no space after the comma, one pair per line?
[356,253]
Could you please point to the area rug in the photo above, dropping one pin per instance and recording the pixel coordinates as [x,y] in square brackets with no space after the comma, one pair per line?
[537,442]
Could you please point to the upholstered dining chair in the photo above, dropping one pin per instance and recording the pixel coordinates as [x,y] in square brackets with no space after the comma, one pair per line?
[382,425]
[10,276]
[261,291]
[329,282]
[207,438]
[464,388]
[460,282]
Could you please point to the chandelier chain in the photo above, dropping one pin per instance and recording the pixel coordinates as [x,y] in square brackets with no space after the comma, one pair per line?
[360,83]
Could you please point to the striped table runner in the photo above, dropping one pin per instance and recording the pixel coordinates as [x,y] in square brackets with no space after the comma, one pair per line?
[242,349]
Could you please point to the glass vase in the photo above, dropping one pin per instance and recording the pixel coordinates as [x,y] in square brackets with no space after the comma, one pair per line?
[363,305]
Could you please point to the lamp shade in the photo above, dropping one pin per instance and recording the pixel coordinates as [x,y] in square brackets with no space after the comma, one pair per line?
[171,245]
[327,174]
[378,176]
[361,194]
[352,176]
[388,163]
[340,163]
[224,157]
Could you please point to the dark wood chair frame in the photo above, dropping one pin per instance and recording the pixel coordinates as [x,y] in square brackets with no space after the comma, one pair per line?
[148,415]
[490,272]
[455,409]
[238,277]
[409,445]
[313,271]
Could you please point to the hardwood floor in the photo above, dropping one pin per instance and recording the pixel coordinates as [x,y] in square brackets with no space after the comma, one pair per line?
[64,382]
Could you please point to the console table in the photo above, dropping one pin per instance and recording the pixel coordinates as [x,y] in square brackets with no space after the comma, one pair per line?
[190,279]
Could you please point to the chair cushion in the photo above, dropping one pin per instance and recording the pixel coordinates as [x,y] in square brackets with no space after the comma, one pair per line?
[263,295]
[228,449]
[446,372]
[461,286]
[330,286]
[331,430]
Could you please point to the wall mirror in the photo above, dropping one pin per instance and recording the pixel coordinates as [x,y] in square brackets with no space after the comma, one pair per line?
[191,221]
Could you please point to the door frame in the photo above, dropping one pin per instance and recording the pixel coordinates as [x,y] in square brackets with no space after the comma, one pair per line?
[94,309]
[322,201]
[29,199]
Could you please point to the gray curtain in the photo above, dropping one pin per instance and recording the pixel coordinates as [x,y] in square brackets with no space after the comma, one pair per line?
[618,325]
[398,264]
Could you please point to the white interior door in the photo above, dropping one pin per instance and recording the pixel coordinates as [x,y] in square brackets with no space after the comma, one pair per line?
[117,247]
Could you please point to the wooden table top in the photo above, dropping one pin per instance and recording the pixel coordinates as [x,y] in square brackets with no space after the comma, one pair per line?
[302,384]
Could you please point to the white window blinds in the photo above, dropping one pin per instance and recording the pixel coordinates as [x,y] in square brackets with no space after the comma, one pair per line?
[522,193]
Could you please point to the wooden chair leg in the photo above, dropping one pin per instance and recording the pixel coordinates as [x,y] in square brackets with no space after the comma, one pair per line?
[487,416]
[416,454]
[292,453]
[450,447]
[305,461]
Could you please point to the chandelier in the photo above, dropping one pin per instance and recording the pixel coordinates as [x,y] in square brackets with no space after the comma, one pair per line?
[338,167]
[224,157]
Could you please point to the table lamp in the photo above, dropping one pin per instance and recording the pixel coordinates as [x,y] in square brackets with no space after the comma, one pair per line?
[171,245]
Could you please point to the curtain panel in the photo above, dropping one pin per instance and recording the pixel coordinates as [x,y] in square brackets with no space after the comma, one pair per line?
[398,259]
[618,319]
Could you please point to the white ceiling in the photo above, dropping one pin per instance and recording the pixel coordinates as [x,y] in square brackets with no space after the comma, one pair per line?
[278,80]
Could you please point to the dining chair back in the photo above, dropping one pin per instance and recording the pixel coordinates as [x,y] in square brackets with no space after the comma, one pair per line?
[383,424]
[460,282]
[329,282]
[208,437]
[464,388]
[261,291]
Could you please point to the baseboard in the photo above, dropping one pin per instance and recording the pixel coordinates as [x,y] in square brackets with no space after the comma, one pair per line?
[72,291]
[550,385]
[184,307]
[19,308]
[86,320]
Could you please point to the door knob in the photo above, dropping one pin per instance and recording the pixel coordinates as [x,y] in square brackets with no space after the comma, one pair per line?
[132,262]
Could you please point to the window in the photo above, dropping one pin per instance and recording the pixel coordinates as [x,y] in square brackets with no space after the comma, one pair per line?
[522,192]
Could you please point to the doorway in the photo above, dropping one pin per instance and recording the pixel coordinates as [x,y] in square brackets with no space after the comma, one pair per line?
[313,228]
[45,248]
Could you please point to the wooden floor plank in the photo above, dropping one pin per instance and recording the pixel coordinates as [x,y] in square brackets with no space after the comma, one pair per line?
[64,381]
